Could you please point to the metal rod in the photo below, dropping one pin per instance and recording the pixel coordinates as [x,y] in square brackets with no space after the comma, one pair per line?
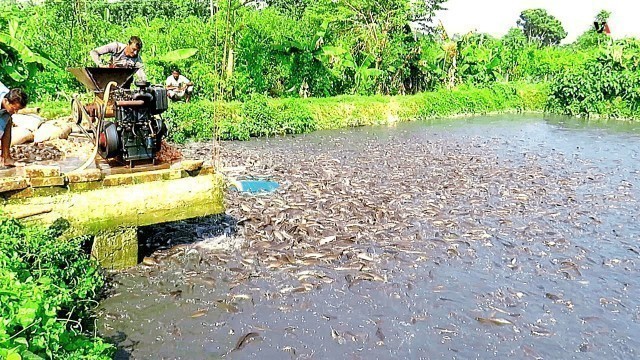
[130,103]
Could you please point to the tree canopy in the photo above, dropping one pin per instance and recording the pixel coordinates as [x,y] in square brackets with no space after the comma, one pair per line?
[539,26]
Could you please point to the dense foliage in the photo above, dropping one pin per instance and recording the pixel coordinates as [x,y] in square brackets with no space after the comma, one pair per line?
[301,48]
[47,286]
[540,26]
[292,48]
[608,85]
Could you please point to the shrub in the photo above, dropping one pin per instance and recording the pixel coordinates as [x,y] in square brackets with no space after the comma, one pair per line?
[47,287]
[260,116]
[197,121]
[607,86]
[294,118]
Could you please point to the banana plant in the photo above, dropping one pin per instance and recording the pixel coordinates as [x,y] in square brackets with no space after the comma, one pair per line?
[343,59]
[363,71]
[310,52]
[448,60]
[479,64]
[18,61]
[178,55]
[314,46]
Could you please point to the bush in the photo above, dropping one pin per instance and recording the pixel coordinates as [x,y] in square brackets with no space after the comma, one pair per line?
[606,86]
[47,287]
[260,116]
[293,118]
[198,121]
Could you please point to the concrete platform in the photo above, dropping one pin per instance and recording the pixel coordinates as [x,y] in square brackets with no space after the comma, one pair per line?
[107,202]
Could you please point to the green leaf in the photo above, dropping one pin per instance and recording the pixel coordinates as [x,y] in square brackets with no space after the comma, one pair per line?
[323,31]
[177,55]
[25,54]
[22,341]
[14,74]
[13,28]
[290,47]
[367,61]
[14,356]
[350,64]
[494,62]
[333,51]
[366,73]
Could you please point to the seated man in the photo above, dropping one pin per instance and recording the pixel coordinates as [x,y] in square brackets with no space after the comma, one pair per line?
[13,101]
[122,56]
[178,86]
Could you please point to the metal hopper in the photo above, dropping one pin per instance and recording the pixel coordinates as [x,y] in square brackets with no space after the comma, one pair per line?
[96,79]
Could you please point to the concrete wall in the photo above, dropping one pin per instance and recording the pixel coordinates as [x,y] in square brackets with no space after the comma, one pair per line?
[111,207]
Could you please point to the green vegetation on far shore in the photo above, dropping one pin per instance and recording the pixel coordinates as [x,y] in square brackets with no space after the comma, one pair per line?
[260,116]
[295,49]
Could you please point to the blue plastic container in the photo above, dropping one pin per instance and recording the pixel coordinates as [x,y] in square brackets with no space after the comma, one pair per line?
[255,186]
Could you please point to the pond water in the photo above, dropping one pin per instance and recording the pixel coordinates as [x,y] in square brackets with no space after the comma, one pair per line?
[490,237]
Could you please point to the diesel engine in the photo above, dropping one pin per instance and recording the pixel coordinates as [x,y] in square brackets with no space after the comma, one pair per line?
[137,129]
[125,124]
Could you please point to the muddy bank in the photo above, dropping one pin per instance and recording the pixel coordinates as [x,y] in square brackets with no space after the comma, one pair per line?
[451,239]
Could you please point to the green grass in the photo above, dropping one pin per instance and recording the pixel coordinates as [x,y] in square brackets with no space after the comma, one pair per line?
[267,117]
[53,109]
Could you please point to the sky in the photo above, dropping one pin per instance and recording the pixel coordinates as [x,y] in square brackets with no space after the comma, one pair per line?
[497,16]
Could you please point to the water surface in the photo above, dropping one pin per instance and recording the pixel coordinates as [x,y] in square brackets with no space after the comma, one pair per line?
[489,237]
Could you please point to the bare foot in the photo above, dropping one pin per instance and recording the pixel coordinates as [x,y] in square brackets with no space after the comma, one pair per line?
[11,163]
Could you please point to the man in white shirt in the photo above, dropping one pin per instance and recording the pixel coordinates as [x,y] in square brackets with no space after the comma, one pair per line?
[178,86]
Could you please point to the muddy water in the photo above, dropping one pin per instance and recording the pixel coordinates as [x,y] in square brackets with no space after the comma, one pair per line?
[497,237]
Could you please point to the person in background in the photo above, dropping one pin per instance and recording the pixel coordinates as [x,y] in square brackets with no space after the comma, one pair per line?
[178,86]
[12,101]
[122,56]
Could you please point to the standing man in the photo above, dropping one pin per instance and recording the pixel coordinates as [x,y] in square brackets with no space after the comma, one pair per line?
[178,86]
[12,101]
[122,56]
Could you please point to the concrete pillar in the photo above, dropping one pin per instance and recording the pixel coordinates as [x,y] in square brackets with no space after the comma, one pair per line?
[116,249]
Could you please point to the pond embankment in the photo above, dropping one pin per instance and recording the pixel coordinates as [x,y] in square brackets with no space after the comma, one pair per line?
[259,116]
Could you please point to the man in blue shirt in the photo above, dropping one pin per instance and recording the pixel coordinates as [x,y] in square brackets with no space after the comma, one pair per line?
[11,102]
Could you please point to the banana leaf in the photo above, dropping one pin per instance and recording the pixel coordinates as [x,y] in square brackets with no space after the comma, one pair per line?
[177,55]
[14,73]
[24,53]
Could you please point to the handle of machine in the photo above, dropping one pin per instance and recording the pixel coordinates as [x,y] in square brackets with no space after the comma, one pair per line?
[105,99]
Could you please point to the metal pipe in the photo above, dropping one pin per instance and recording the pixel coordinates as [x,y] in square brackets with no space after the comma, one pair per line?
[130,103]
[98,129]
